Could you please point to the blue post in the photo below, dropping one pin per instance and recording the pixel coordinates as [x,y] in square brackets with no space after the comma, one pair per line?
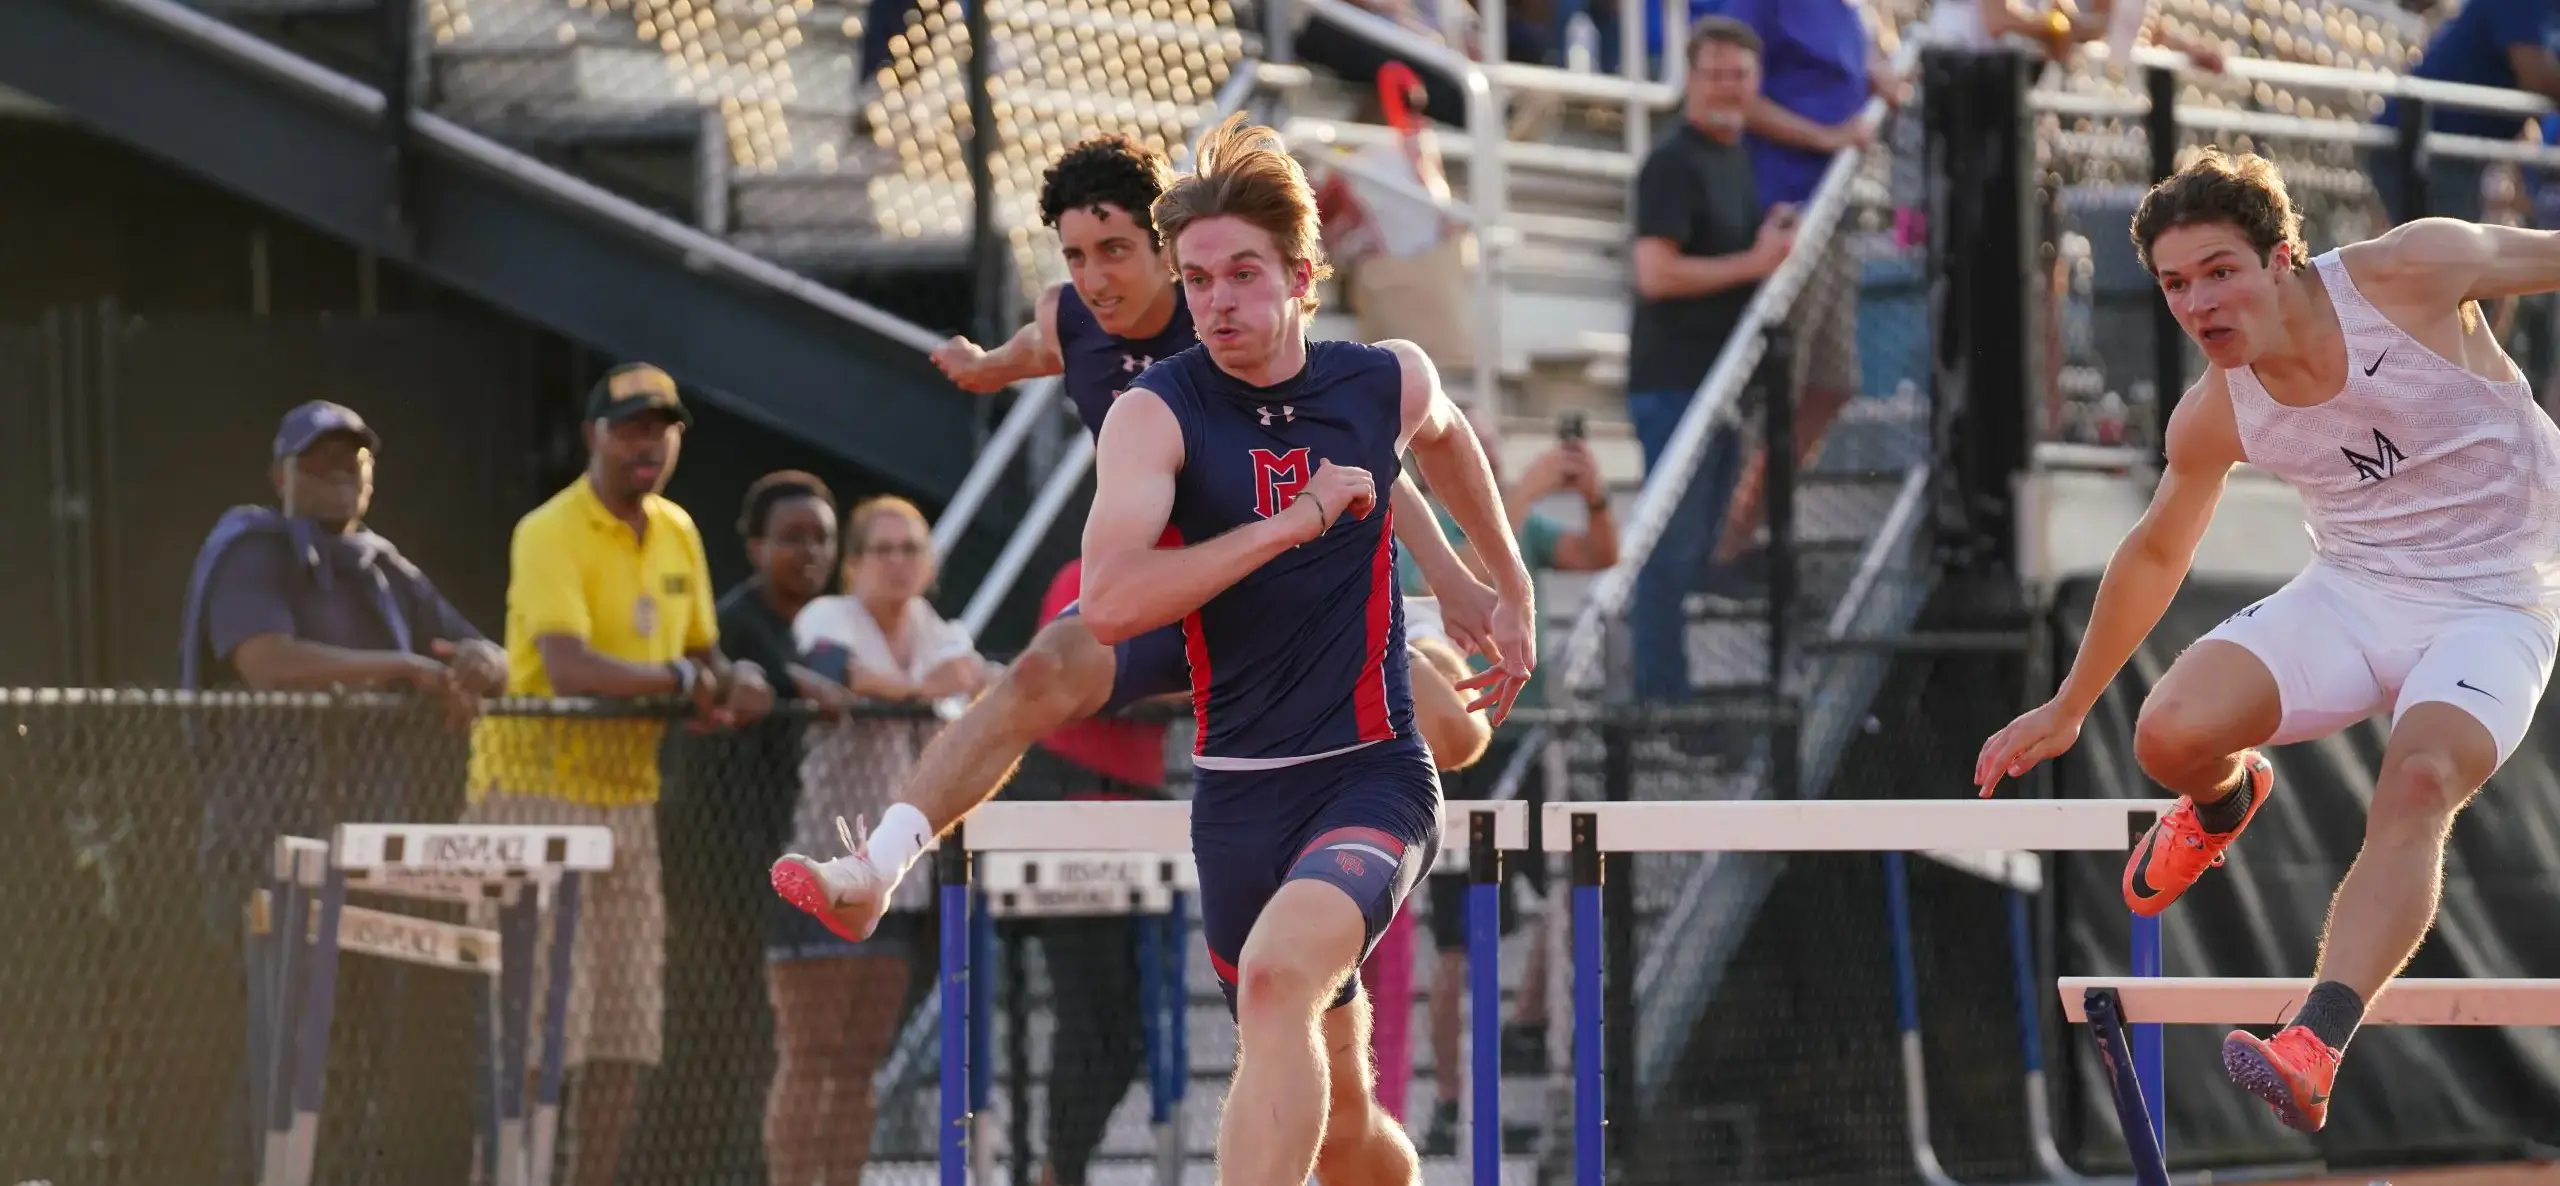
[1906,978]
[2141,1142]
[2022,965]
[982,1003]
[1484,993]
[484,1012]
[2149,1056]
[555,1026]
[290,997]
[1151,1007]
[1588,1153]
[951,869]
[519,929]
[311,1048]
[1178,1003]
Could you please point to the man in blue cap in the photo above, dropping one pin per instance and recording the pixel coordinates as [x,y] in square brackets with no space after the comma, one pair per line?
[302,596]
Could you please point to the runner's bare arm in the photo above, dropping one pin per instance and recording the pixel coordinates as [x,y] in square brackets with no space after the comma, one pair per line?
[1132,586]
[2442,262]
[2153,559]
[1031,353]
[1453,459]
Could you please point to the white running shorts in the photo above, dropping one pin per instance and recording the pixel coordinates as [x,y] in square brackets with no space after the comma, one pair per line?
[2343,649]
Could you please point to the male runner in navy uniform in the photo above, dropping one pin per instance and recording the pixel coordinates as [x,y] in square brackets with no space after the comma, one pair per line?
[1121,314]
[1316,807]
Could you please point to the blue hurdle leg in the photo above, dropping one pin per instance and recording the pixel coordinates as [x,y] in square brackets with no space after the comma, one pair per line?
[1484,995]
[2149,1053]
[257,952]
[555,1030]
[1589,1156]
[951,866]
[2133,1115]
[484,1012]
[2031,1043]
[311,1046]
[1177,1032]
[1151,930]
[982,1039]
[1906,1011]
[519,929]
[287,996]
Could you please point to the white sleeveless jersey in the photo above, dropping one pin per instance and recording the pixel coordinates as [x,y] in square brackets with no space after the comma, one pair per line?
[2420,475]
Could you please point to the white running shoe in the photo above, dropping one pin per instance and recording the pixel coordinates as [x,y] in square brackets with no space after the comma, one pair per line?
[849,893]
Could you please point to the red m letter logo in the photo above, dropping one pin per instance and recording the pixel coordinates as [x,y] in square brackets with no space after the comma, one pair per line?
[1277,479]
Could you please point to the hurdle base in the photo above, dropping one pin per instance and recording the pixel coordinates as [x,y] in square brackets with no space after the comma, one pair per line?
[2107,1028]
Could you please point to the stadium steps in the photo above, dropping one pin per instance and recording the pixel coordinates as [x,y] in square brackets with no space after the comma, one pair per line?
[493,222]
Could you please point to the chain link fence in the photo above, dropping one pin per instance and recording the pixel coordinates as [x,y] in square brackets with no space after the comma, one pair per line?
[775,1053]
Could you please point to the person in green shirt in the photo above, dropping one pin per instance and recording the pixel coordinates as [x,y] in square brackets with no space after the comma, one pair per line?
[1546,544]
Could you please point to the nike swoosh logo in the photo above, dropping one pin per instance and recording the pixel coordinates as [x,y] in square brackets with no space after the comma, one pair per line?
[2142,887]
[2377,363]
[2466,686]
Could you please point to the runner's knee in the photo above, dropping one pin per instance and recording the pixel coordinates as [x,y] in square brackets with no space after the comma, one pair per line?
[2421,789]
[1062,670]
[2177,733]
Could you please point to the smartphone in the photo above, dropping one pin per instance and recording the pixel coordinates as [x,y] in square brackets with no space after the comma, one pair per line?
[1569,426]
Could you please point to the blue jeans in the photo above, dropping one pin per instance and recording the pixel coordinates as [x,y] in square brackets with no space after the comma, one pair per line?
[1680,556]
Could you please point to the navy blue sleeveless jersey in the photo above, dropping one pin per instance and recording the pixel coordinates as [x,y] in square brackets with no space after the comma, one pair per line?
[1100,365]
[1305,656]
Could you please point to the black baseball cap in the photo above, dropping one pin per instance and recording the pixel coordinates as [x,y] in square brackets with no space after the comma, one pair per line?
[304,426]
[634,389]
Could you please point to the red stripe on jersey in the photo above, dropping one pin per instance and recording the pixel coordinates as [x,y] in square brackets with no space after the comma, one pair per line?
[1369,836]
[1226,971]
[1369,697]
[1195,653]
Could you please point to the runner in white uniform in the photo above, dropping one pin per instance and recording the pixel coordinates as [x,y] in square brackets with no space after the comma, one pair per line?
[2368,380]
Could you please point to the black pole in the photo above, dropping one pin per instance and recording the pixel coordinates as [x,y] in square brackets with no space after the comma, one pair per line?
[1779,478]
[986,247]
[1618,956]
[399,34]
[1017,1053]
[2168,355]
[2411,147]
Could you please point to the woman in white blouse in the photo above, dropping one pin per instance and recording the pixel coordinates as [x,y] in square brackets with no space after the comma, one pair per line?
[837,1005]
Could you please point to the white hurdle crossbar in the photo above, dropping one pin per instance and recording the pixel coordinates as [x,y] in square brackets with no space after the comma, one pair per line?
[2246,1000]
[1964,832]
[517,868]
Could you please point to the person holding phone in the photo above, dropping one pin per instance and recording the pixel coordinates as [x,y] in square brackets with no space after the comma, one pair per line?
[1547,544]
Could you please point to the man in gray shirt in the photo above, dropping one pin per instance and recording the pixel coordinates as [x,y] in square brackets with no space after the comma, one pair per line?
[1702,247]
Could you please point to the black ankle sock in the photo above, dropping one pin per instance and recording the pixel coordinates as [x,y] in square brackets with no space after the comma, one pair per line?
[2331,1013]
[2226,813]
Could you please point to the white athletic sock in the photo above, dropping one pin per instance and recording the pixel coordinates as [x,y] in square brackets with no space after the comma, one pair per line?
[903,832]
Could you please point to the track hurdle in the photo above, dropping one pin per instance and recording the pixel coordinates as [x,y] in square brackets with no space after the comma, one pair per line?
[1969,833]
[293,991]
[1162,832]
[1154,890]
[2108,1004]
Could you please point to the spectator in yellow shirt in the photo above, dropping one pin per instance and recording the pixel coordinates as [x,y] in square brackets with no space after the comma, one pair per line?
[609,595]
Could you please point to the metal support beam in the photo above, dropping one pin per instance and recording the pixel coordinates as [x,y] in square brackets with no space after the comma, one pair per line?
[752,338]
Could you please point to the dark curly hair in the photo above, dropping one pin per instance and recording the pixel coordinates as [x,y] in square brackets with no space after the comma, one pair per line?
[1112,169]
[2215,187]
[774,489]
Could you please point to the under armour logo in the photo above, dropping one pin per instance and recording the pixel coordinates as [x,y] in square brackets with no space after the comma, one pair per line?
[1134,363]
[1288,413]
[2384,462]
